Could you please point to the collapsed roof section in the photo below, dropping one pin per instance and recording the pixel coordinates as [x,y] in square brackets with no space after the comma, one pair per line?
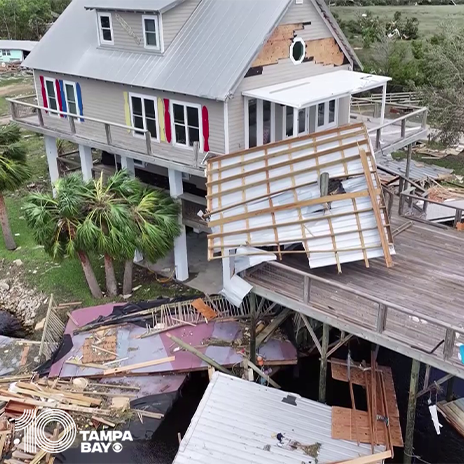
[320,190]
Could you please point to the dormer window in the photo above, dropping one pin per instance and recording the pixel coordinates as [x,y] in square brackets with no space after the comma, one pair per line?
[105,28]
[151,32]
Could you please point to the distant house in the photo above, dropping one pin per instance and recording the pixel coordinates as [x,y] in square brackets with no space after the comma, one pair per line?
[15,50]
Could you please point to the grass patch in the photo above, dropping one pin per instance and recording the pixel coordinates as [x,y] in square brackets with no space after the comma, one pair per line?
[13,81]
[64,279]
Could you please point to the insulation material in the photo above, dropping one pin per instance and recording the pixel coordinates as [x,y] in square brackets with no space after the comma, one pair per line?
[273,199]
[324,51]
[246,257]
[235,290]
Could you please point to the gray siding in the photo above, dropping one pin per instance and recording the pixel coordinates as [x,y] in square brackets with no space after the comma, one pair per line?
[284,71]
[105,101]
[304,13]
[174,20]
[122,39]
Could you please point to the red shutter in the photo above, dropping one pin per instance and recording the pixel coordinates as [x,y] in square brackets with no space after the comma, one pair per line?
[167,120]
[44,93]
[205,118]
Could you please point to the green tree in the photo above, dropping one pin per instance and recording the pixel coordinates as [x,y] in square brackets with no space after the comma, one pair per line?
[155,217]
[55,223]
[13,173]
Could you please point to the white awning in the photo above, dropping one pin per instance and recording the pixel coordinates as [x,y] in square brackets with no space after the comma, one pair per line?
[315,89]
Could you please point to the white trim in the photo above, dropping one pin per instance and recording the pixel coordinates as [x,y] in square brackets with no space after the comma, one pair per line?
[155,102]
[156,19]
[273,127]
[50,111]
[327,125]
[259,123]
[246,119]
[295,41]
[173,125]
[295,122]
[384,101]
[226,128]
[101,40]
[36,88]
[161,34]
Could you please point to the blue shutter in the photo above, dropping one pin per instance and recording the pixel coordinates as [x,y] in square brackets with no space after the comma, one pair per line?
[79,100]
[63,97]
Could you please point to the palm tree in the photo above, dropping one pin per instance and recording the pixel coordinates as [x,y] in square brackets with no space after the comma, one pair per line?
[55,223]
[108,227]
[155,216]
[13,173]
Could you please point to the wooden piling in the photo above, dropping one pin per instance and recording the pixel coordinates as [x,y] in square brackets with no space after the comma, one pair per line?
[253,327]
[411,415]
[323,366]
[449,389]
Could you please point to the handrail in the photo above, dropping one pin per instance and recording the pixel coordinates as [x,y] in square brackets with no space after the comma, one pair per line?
[415,197]
[76,116]
[402,105]
[380,301]
[393,121]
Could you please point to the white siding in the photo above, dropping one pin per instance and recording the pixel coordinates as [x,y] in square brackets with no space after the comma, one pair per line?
[304,13]
[174,20]
[105,100]
[122,39]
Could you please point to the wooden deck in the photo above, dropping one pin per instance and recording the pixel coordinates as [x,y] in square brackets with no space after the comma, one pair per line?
[411,308]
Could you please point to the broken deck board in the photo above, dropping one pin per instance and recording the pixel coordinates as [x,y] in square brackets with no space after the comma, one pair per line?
[453,412]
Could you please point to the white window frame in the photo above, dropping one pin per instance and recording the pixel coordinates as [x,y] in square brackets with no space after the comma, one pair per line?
[173,125]
[327,124]
[101,39]
[77,115]
[159,37]
[55,96]
[298,40]
[155,101]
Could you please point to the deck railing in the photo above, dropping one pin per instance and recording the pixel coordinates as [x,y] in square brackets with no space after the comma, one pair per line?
[381,318]
[22,108]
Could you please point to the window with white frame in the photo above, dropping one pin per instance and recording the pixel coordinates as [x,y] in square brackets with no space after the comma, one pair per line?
[327,114]
[105,27]
[144,113]
[70,94]
[6,52]
[50,91]
[151,32]
[186,124]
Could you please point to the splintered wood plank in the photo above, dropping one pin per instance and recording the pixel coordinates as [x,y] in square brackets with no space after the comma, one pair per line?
[101,352]
[204,309]
[350,425]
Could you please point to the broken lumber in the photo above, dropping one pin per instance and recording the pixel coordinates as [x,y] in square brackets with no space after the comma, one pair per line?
[103,421]
[41,454]
[153,415]
[80,364]
[206,311]
[202,356]
[132,367]
[370,459]
[272,327]
[262,374]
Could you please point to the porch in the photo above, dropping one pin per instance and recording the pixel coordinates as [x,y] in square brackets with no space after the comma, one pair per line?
[326,101]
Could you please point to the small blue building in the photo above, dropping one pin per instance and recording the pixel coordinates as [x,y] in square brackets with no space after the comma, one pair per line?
[15,50]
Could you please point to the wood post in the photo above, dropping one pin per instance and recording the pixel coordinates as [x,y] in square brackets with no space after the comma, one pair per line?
[252,327]
[323,367]
[411,415]
[408,166]
[449,389]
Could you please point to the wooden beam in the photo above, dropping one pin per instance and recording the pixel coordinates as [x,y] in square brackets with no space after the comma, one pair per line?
[411,414]
[370,459]
[312,333]
[262,374]
[435,384]
[253,326]
[132,367]
[323,366]
[272,327]
[373,193]
[202,356]
[339,344]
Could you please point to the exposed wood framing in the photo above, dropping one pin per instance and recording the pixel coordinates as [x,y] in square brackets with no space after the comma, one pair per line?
[325,51]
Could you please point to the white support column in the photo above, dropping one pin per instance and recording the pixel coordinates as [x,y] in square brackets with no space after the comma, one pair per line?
[259,122]
[128,163]
[227,266]
[85,154]
[176,188]
[273,122]
[226,128]
[295,122]
[246,122]
[384,100]
[52,159]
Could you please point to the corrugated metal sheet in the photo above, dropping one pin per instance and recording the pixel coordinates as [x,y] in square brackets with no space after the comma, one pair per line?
[159,6]
[206,59]
[253,204]
[238,421]
[25,45]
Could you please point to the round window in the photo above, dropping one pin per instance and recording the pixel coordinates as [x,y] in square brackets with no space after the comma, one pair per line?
[297,50]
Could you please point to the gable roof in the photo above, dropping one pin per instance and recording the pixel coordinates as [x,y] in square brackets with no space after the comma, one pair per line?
[158,6]
[25,45]
[207,58]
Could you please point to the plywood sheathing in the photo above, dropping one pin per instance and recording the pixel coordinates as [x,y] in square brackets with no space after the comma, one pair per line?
[345,427]
[91,353]
[324,51]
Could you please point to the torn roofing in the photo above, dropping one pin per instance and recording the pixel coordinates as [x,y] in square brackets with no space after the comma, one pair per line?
[158,6]
[208,57]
